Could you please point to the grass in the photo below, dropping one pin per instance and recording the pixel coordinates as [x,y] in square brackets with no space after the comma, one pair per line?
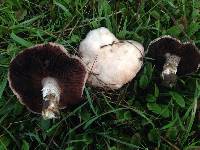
[141,115]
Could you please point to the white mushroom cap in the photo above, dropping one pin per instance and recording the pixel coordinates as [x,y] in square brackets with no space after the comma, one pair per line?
[113,64]
[91,45]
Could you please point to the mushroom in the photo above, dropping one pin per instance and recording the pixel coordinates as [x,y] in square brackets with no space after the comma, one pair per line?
[111,62]
[173,58]
[45,79]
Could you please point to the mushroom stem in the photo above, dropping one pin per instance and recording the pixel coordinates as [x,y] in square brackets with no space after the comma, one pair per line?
[51,97]
[169,70]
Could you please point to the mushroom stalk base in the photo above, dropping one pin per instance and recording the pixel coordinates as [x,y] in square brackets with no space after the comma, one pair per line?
[51,97]
[169,70]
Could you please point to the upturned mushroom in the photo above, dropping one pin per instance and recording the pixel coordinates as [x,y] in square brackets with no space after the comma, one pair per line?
[173,58]
[45,78]
[111,62]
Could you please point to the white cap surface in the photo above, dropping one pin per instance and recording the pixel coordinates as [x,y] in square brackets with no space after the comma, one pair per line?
[111,63]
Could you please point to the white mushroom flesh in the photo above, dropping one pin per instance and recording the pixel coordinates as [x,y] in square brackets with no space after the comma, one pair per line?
[51,97]
[171,64]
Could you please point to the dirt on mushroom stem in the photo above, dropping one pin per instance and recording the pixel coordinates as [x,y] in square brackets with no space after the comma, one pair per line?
[51,97]
[170,69]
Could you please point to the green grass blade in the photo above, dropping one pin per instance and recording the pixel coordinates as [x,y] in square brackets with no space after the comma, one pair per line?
[3,86]
[120,141]
[20,40]
[11,135]
[90,101]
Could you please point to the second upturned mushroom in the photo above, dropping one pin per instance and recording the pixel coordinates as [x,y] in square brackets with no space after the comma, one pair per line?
[173,58]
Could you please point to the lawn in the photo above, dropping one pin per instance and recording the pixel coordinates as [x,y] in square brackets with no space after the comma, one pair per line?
[141,115]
